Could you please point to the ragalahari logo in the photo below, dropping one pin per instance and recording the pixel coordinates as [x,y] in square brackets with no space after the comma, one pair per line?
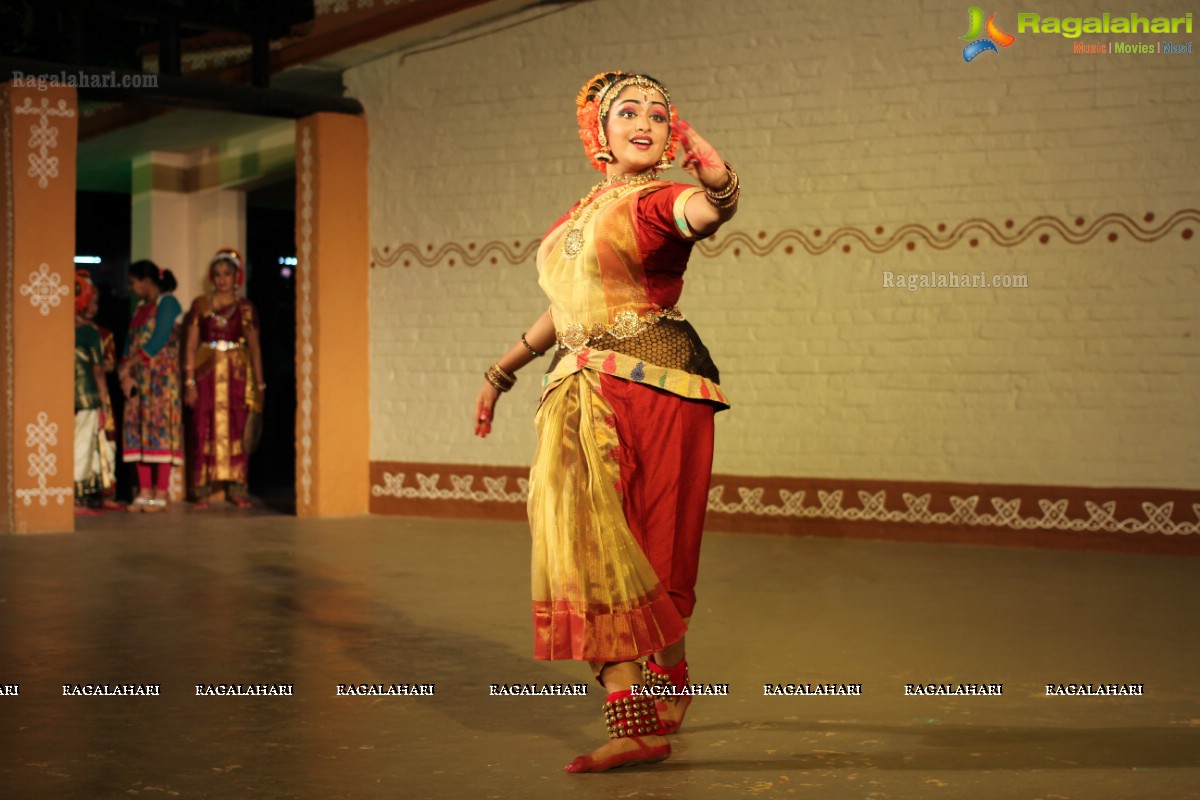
[979,44]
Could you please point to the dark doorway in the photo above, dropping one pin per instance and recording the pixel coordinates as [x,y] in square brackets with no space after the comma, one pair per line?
[102,232]
[271,286]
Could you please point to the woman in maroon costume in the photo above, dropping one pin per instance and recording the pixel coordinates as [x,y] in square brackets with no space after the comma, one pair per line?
[222,363]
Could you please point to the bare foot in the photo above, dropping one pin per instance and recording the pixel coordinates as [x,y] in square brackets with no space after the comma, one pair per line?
[621,752]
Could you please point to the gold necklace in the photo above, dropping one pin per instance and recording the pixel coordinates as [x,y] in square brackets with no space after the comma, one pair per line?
[225,315]
[573,241]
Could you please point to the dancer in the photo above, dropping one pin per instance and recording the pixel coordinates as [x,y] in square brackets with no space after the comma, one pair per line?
[108,350]
[619,483]
[222,360]
[93,469]
[149,374]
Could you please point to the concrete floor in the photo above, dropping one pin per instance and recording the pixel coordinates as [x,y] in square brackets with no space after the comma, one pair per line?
[197,598]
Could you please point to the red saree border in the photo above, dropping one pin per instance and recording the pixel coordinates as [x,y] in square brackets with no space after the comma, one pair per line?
[564,630]
[1120,519]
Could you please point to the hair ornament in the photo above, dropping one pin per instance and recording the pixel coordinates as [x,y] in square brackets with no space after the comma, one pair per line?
[85,290]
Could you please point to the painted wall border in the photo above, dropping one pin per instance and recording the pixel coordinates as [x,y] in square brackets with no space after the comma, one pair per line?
[1100,518]
[817,241]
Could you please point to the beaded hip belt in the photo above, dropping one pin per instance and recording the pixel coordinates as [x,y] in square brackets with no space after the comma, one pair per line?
[625,325]
[221,345]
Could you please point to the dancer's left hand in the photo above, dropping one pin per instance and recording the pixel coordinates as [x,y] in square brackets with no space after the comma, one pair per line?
[700,159]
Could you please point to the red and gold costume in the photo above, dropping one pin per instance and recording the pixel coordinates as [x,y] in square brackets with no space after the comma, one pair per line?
[226,393]
[619,483]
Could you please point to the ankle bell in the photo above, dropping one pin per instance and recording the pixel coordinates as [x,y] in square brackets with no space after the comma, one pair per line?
[629,714]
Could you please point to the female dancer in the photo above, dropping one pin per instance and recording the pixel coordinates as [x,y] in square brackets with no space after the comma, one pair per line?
[94,475]
[149,374]
[619,483]
[221,361]
[108,349]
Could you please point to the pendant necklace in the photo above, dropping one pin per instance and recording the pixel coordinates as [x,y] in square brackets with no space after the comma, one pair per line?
[573,241]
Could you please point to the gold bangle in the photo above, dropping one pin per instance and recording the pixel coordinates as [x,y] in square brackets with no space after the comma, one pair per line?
[499,378]
[728,189]
[728,203]
[529,347]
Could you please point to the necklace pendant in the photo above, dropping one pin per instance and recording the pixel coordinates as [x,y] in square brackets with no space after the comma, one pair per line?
[573,243]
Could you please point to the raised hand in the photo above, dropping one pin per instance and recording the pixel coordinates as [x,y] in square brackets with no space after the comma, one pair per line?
[700,159]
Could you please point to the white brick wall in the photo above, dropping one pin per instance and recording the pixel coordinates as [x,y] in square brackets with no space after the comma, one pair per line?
[836,116]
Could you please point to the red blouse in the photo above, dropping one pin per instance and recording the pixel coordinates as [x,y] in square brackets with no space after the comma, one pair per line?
[663,247]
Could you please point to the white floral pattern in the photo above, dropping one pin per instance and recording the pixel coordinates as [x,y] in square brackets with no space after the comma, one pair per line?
[45,289]
[872,506]
[43,464]
[461,488]
[43,138]
[1101,517]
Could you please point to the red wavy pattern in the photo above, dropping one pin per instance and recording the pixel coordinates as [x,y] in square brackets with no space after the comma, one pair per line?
[847,239]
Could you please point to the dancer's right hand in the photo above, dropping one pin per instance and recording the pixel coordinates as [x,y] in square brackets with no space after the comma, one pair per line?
[485,407]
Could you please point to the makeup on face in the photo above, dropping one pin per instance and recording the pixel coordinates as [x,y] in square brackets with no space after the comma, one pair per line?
[637,128]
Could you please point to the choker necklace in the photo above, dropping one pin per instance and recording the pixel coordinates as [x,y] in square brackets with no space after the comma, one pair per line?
[573,241]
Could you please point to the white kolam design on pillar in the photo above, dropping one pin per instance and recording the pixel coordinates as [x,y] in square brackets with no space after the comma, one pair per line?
[304,266]
[43,464]
[43,138]
[45,289]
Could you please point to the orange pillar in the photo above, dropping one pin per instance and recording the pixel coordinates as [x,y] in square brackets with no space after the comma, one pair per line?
[37,232]
[332,325]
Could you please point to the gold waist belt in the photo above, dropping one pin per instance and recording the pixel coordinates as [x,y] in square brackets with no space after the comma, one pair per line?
[625,325]
[222,346]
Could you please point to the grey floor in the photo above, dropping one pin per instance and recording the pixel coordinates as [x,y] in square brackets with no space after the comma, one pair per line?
[192,598]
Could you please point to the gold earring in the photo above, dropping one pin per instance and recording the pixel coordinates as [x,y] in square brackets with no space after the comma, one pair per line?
[604,157]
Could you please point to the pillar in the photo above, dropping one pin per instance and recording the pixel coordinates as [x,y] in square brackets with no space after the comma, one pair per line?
[37,233]
[332,333]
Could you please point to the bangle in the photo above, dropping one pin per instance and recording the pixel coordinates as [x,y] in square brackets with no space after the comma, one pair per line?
[497,377]
[727,195]
[190,382]
[262,386]
[529,347]
[724,204]
[729,187]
